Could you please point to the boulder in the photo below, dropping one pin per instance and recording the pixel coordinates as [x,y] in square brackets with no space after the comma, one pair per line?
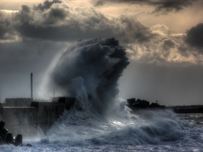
[7,137]
[19,140]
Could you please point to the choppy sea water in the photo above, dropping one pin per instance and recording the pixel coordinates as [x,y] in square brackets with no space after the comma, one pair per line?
[146,131]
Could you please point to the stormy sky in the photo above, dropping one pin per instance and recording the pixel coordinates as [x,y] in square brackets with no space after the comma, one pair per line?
[163,41]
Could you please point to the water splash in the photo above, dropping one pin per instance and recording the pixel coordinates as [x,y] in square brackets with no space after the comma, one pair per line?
[89,71]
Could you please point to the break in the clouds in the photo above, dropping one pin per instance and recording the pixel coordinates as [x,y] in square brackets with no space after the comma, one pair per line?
[160,5]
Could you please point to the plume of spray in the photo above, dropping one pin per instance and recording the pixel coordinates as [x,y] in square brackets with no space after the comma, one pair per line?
[89,71]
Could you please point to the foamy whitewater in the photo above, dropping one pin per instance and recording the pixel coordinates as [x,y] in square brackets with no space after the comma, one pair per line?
[99,120]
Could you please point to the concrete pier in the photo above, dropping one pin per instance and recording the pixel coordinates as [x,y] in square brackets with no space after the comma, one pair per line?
[24,115]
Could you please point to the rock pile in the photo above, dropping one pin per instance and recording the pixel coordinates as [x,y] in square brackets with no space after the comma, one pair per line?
[7,137]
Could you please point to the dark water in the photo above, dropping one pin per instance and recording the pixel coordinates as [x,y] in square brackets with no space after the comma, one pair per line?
[150,131]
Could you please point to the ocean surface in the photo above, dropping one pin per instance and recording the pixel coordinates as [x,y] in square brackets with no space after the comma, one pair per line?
[145,131]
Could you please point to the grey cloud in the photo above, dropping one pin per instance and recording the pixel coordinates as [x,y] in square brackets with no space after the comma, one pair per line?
[6,28]
[160,5]
[55,21]
[56,13]
[2,31]
[47,4]
[2,25]
[63,23]
[170,5]
[62,33]
[168,43]
[25,14]
[194,36]
[59,22]
[165,50]
[25,8]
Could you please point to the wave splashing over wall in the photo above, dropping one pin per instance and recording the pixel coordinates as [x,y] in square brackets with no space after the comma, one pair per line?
[89,71]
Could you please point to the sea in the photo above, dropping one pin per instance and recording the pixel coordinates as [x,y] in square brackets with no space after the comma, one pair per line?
[153,131]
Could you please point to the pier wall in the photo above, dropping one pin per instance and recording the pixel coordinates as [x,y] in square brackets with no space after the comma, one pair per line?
[20,120]
[25,116]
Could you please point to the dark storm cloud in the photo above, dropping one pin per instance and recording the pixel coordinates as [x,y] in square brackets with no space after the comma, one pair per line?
[54,15]
[194,36]
[47,4]
[170,5]
[24,15]
[160,5]
[63,23]
[2,31]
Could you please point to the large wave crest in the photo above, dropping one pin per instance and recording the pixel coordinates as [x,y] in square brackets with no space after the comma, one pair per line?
[89,71]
